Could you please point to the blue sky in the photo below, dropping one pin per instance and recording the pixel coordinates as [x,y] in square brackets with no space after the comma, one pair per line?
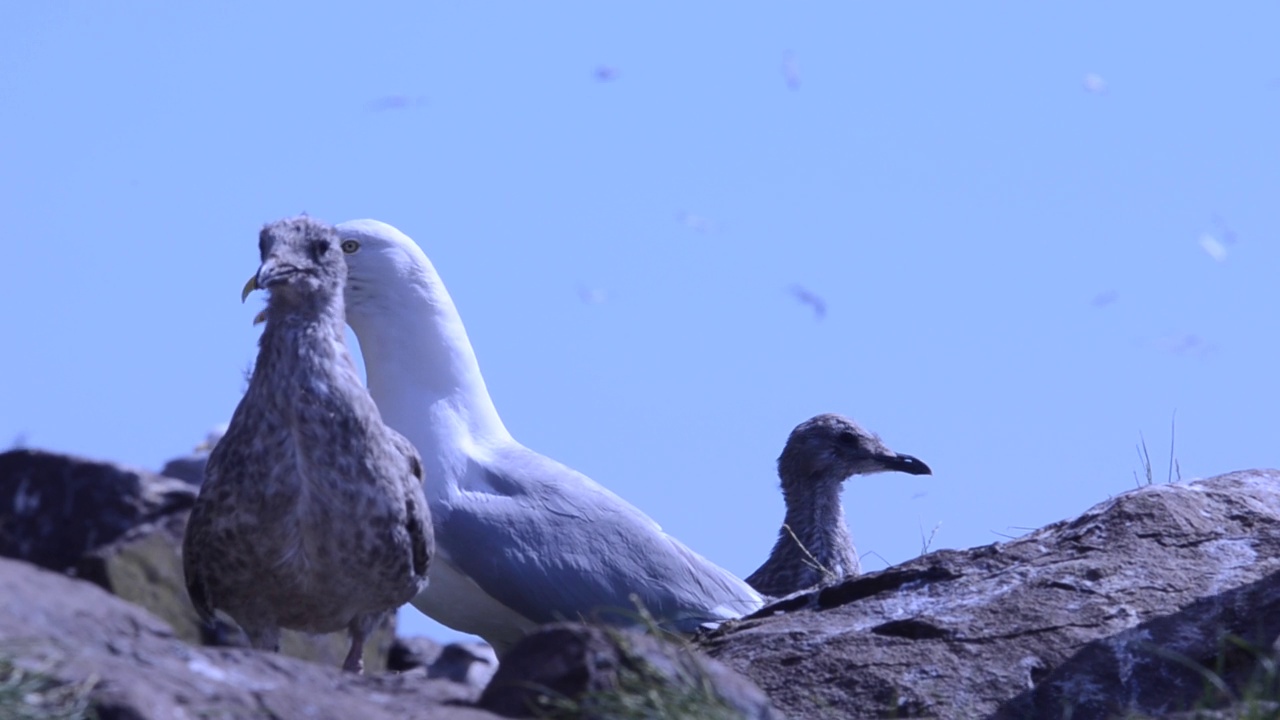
[1016,215]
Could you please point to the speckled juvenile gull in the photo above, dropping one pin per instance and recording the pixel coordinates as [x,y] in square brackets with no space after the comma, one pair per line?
[523,540]
[814,546]
[311,516]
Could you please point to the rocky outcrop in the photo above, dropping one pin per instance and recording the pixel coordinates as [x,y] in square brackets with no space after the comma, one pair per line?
[471,663]
[122,529]
[190,467]
[55,508]
[144,566]
[1158,603]
[603,673]
[1117,611]
[132,667]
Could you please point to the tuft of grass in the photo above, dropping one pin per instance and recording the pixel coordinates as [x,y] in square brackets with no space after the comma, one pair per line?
[30,695]
[1144,457]
[828,576]
[1256,695]
[644,691]
[927,542]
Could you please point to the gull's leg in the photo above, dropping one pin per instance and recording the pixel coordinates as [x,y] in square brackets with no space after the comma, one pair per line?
[359,628]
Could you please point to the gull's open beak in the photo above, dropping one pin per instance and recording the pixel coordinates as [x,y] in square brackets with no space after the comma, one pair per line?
[244,295]
[907,464]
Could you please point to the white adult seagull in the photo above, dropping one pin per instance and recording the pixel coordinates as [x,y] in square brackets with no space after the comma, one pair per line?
[521,539]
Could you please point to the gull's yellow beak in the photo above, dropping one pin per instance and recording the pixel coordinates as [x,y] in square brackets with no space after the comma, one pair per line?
[244,295]
[249,287]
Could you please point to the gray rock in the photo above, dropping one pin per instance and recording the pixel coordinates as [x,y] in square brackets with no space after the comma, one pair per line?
[1088,618]
[571,670]
[471,663]
[55,508]
[131,665]
[190,467]
[145,567]
[410,653]
[1093,618]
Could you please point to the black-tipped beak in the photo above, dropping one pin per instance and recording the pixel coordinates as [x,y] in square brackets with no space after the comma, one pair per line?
[907,464]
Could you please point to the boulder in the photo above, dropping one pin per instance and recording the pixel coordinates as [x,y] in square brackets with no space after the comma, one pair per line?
[122,528]
[145,567]
[1161,602]
[1118,611]
[54,508]
[585,671]
[472,663]
[190,467]
[127,664]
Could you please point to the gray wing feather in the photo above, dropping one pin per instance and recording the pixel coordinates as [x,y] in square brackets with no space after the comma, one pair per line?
[418,518]
[191,564]
[604,549]
[197,540]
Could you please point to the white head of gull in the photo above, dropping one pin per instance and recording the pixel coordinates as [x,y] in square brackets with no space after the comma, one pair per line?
[521,539]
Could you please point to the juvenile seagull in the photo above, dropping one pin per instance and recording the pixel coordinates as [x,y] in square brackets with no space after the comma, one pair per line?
[814,546]
[523,539]
[311,516]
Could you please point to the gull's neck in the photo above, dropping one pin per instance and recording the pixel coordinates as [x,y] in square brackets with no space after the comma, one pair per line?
[816,516]
[422,371]
[307,340]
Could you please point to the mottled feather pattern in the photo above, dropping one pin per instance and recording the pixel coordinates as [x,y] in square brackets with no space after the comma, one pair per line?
[814,546]
[311,516]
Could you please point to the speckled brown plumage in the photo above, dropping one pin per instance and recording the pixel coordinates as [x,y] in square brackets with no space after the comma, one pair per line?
[311,516]
[814,546]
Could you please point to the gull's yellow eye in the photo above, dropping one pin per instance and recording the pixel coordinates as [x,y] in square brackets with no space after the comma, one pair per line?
[350,246]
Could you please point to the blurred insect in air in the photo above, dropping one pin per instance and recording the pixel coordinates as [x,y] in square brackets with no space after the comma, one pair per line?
[695,222]
[592,296]
[791,70]
[808,297]
[1104,299]
[396,102]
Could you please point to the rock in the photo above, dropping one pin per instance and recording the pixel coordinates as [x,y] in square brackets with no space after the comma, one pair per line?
[469,663]
[130,665]
[190,467]
[1088,618]
[409,653]
[145,567]
[1117,611]
[55,508]
[1248,710]
[584,671]
[122,529]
